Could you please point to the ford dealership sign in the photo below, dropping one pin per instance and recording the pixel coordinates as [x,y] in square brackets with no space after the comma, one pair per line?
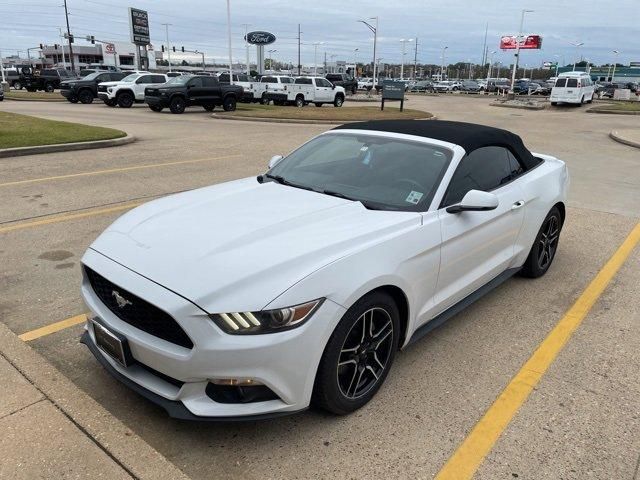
[260,38]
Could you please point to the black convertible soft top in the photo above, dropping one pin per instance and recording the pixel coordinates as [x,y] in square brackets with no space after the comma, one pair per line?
[469,136]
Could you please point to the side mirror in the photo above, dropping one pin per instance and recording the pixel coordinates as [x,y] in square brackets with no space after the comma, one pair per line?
[475,201]
[274,161]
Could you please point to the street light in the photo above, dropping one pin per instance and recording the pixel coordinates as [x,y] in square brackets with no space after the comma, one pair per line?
[577,45]
[229,40]
[517,54]
[166,27]
[490,66]
[615,62]
[315,56]
[355,61]
[271,52]
[404,44]
[246,44]
[375,43]
[442,65]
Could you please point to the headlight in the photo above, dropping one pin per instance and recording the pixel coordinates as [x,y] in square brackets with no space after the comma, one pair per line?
[265,321]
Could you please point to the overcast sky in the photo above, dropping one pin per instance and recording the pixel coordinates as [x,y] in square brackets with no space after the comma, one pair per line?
[459,25]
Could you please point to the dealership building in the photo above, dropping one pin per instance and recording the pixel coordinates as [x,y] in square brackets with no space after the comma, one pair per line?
[120,54]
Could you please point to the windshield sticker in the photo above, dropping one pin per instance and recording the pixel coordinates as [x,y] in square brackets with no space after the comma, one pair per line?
[414,197]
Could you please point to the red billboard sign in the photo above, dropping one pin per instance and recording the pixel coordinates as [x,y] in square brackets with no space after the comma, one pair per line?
[529,42]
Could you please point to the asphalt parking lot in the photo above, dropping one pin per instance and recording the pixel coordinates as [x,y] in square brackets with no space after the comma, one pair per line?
[581,421]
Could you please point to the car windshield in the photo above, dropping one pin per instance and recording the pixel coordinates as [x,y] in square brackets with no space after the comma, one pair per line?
[92,76]
[382,173]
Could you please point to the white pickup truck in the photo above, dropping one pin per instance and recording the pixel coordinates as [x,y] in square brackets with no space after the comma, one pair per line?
[316,90]
[130,89]
[272,88]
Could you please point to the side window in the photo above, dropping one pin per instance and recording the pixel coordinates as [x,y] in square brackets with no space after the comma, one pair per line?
[303,81]
[514,165]
[158,79]
[103,78]
[195,82]
[210,82]
[572,82]
[483,169]
[286,80]
[321,82]
[144,79]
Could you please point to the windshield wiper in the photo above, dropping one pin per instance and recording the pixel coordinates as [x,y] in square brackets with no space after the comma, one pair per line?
[366,204]
[283,181]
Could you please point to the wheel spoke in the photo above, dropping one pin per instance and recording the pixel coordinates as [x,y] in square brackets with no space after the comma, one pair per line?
[375,357]
[347,362]
[355,386]
[370,368]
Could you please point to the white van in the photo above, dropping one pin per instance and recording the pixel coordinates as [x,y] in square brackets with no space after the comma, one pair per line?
[572,87]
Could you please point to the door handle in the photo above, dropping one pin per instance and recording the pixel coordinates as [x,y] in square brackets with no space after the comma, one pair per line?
[517,205]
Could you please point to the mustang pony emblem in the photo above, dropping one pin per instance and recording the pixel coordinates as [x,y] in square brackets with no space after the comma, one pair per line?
[122,302]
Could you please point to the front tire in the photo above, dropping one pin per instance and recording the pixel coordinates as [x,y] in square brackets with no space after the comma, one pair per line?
[49,88]
[177,105]
[545,246]
[85,97]
[17,85]
[125,100]
[359,355]
[229,104]
[109,102]
[339,100]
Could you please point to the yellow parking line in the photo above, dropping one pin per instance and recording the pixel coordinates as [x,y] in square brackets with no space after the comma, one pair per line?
[114,170]
[71,216]
[53,328]
[471,453]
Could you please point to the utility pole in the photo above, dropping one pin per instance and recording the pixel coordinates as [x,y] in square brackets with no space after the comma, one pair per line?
[517,54]
[246,44]
[166,29]
[64,62]
[69,37]
[299,65]
[484,48]
[229,40]
[415,61]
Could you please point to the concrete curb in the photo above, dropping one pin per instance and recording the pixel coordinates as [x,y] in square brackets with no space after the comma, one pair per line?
[521,107]
[292,120]
[65,147]
[111,435]
[619,137]
[611,112]
[55,100]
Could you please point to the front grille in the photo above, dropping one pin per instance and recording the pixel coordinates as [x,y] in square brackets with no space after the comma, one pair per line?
[137,312]
[102,88]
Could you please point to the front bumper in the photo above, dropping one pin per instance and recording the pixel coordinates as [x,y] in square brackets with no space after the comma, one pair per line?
[176,377]
[156,101]
[67,92]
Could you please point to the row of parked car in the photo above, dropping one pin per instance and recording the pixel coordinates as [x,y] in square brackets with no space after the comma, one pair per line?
[160,91]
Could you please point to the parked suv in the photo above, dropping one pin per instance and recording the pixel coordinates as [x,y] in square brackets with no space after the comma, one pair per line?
[85,89]
[47,79]
[188,90]
[343,80]
[129,90]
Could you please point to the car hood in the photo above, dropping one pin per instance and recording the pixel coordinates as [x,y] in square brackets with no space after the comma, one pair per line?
[111,84]
[238,245]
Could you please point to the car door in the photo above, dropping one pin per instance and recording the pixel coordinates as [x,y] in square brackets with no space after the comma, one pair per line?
[212,90]
[195,91]
[324,90]
[141,83]
[478,245]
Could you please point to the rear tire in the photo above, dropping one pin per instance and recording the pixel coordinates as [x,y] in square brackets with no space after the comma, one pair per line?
[354,90]
[361,350]
[85,97]
[544,247]
[177,105]
[299,101]
[17,85]
[49,88]
[125,100]
[229,104]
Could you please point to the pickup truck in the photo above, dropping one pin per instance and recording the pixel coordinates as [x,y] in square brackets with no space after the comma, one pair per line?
[343,80]
[272,88]
[246,82]
[47,79]
[189,90]
[85,89]
[316,90]
[129,90]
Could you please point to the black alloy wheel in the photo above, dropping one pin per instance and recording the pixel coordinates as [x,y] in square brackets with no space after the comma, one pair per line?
[125,100]
[85,96]
[229,104]
[177,105]
[545,246]
[72,98]
[358,355]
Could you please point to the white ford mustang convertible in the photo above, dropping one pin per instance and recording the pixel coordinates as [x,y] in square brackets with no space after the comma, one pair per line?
[262,296]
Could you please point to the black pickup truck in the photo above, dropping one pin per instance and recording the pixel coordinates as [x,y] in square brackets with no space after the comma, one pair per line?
[85,89]
[343,80]
[47,79]
[189,90]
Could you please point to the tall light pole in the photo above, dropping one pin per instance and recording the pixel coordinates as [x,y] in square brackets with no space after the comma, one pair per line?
[2,69]
[490,66]
[246,44]
[404,44]
[69,37]
[575,60]
[315,56]
[615,62]
[271,52]
[517,54]
[166,31]
[64,62]
[229,40]
[355,61]
[375,44]
[442,65]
